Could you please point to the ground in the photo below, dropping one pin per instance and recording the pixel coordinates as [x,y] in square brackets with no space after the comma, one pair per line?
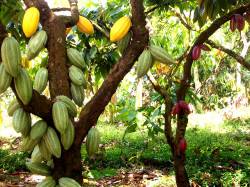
[218,154]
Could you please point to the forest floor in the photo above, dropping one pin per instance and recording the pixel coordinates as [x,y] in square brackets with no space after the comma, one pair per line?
[218,154]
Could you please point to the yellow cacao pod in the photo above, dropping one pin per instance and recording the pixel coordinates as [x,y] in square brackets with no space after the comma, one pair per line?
[30,21]
[85,26]
[68,30]
[120,29]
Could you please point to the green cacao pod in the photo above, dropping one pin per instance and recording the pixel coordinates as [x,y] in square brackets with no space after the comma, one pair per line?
[44,150]
[38,130]
[77,93]
[122,44]
[76,75]
[23,86]
[68,182]
[92,142]
[47,182]
[161,55]
[36,44]
[11,56]
[69,104]
[36,155]
[52,142]
[38,168]
[68,137]
[144,63]
[5,79]
[41,80]
[21,121]
[13,106]
[60,116]
[28,144]
[75,58]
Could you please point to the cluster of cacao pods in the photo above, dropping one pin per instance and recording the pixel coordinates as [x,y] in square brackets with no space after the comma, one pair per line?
[237,21]
[149,56]
[196,51]
[181,107]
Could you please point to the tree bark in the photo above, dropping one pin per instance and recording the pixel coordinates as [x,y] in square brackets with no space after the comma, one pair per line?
[180,172]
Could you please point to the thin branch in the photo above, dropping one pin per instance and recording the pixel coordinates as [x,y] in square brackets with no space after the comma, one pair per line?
[184,23]
[231,53]
[60,9]
[98,27]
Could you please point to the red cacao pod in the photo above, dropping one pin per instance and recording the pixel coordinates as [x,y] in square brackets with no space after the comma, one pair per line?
[184,107]
[182,145]
[233,23]
[176,109]
[196,52]
[204,47]
[240,22]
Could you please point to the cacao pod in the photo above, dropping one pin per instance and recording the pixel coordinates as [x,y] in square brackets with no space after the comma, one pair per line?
[68,137]
[182,145]
[68,30]
[84,25]
[38,130]
[68,182]
[60,116]
[23,86]
[41,80]
[240,22]
[196,52]
[92,142]
[38,168]
[44,150]
[120,28]
[30,21]
[75,58]
[36,155]
[5,79]
[47,182]
[36,44]
[144,63]
[233,25]
[11,56]
[13,106]
[76,75]
[28,144]
[77,93]
[161,55]
[52,142]
[69,104]
[21,121]
[122,44]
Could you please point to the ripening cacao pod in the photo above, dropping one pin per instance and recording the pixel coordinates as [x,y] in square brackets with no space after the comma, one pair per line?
[123,43]
[161,55]
[39,168]
[23,86]
[52,142]
[182,145]
[38,130]
[76,75]
[68,182]
[68,137]
[41,80]
[47,182]
[69,104]
[75,58]
[30,21]
[28,144]
[21,121]
[196,52]
[240,22]
[5,79]
[77,93]
[204,47]
[36,44]
[60,116]
[233,24]
[120,29]
[46,154]
[84,25]
[92,142]
[11,56]
[36,155]
[144,63]
[13,106]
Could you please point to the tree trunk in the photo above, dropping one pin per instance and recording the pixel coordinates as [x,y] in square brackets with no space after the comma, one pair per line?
[180,172]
